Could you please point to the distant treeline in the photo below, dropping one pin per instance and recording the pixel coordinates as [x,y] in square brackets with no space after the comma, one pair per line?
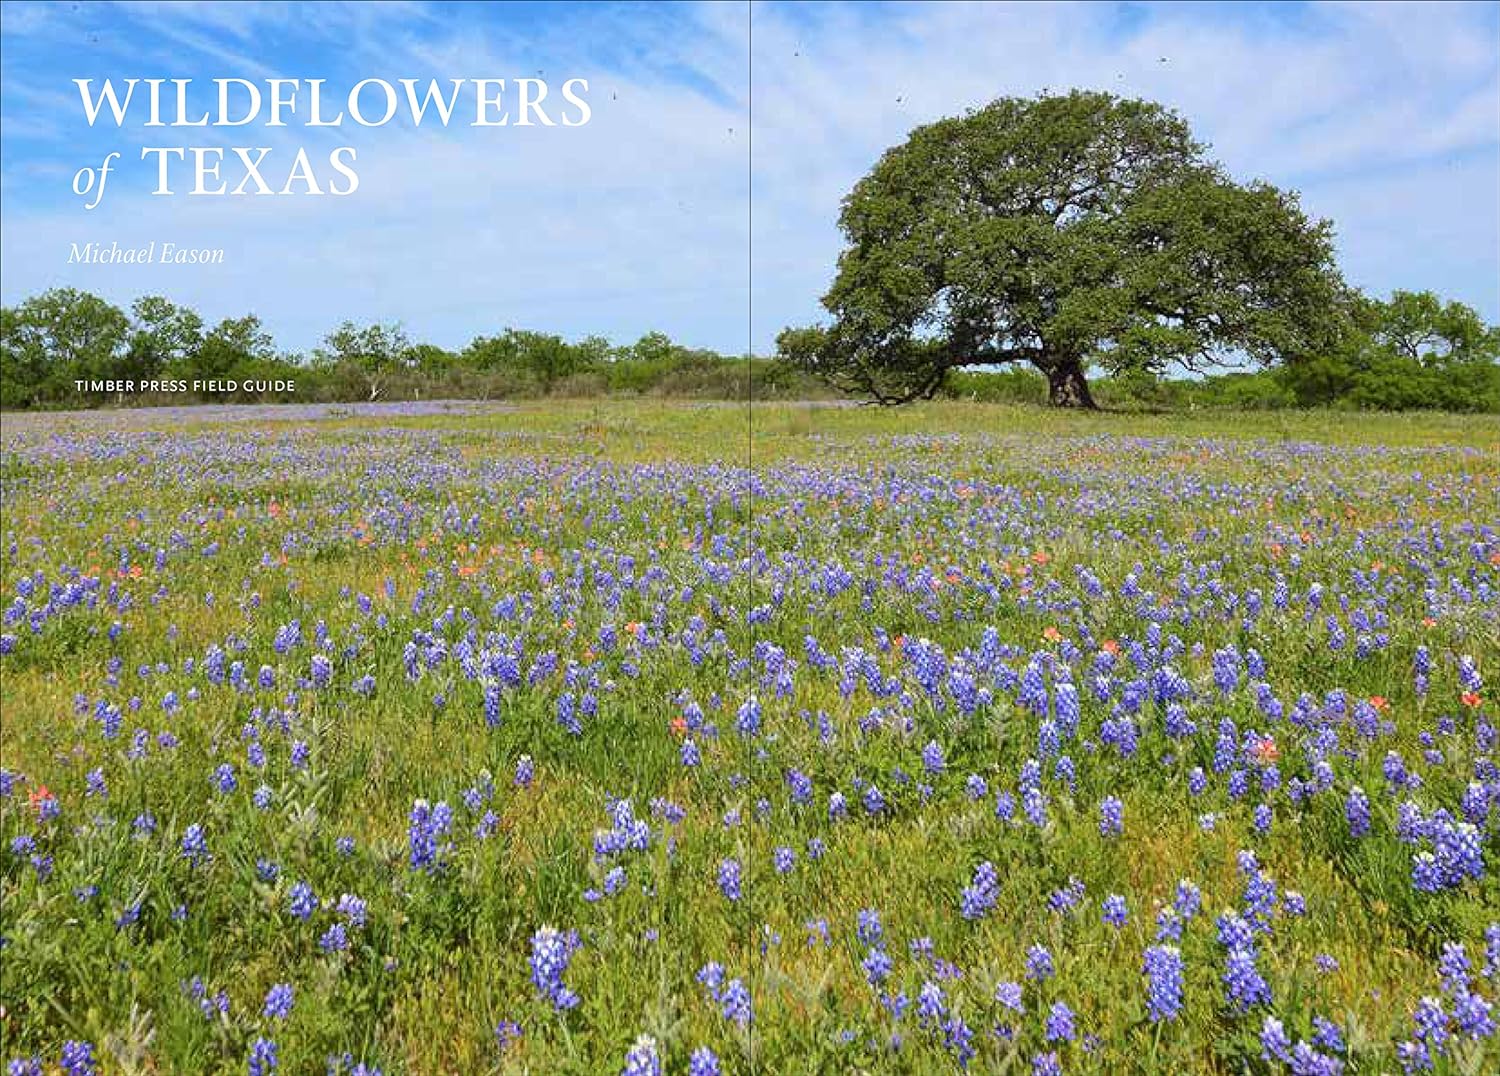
[51,342]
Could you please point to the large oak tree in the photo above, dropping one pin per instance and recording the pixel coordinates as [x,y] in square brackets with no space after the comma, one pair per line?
[1061,231]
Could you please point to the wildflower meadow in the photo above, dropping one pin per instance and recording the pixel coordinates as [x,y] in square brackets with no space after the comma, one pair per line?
[650,738]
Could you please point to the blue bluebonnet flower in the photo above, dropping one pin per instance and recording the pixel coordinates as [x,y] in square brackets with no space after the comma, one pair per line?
[1468,674]
[1162,965]
[932,758]
[735,1002]
[1034,806]
[747,719]
[263,1057]
[1260,900]
[1066,898]
[129,916]
[1060,1026]
[1475,804]
[567,713]
[1474,1015]
[1431,1023]
[78,1058]
[1111,817]
[1188,899]
[1414,1056]
[302,901]
[335,939]
[1039,966]
[1244,986]
[642,1059]
[1009,995]
[195,845]
[703,1062]
[1307,1061]
[353,910]
[428,824]
[877,965]
[711,975]
[1327,1036]
[931,1004]
[1046,1064]
[1226,664]
[1456,854]
[1357,811]
[958,1040]
[838,806]
[1115,911]
[1033,689]
[799,786]
[729,879]
[1275,1044]
[614,880]
[980,895]
[551,952]
[506,1033]
[1235,932]
[279,1001]
[1005,806]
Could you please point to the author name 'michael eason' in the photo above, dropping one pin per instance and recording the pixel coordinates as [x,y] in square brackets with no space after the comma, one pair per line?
[153,253]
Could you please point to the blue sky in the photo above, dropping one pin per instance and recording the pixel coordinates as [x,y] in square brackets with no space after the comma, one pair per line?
[1386,118]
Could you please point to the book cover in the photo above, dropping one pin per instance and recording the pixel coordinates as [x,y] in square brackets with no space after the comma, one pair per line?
[749,538]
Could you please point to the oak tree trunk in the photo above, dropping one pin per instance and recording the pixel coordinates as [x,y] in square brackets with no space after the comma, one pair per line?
[1066,385]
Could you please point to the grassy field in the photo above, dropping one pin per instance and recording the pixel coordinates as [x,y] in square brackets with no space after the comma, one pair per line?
[646,737]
